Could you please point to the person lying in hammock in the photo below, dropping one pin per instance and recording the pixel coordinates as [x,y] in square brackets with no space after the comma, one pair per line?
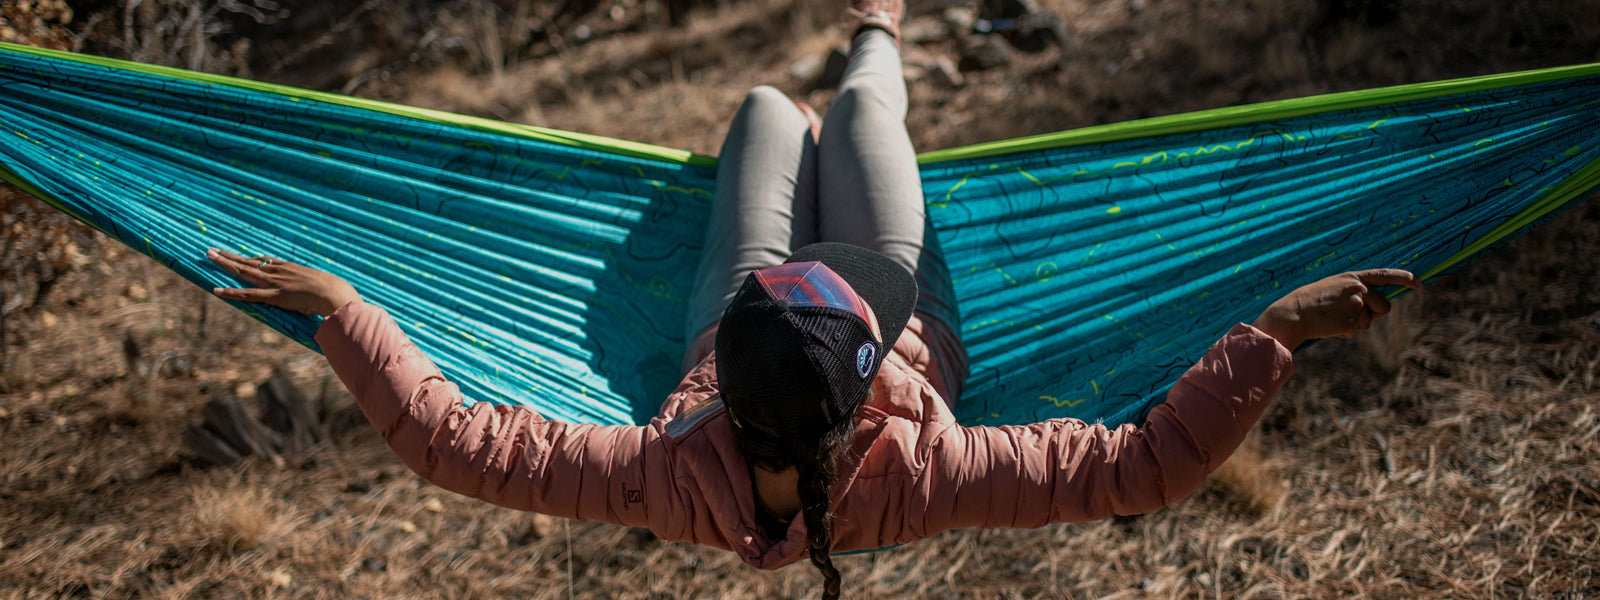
[815,413]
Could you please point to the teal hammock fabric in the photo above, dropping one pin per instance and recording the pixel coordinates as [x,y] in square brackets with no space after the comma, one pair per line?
[552,269]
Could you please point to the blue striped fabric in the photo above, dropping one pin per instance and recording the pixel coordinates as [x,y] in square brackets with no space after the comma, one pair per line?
[556,275]
[1090,277]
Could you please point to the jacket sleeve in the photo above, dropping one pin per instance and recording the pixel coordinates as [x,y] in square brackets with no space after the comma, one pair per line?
[1068,470]
[508,455]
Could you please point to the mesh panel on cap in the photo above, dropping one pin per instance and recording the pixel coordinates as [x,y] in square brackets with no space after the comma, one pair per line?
[765,373]
[835,358]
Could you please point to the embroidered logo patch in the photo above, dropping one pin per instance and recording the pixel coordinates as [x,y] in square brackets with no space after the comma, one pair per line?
[864,357]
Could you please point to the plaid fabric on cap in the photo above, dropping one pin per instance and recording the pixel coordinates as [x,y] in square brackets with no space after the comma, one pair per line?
[813,284]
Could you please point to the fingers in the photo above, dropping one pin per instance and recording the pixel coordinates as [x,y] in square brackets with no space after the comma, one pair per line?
[259,261]
[213,253]
[278,283]
[1345,304]
[222,258]
[1368,307]
[232,261]
[251,269]
[260,272]
[1377,277]
[235,264]
[1376,303]
[246,294]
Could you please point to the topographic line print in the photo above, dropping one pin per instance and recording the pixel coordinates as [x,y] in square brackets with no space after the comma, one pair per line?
[557,275]
[1209,227]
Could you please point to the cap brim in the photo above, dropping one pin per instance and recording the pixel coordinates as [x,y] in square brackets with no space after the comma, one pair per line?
[887,287]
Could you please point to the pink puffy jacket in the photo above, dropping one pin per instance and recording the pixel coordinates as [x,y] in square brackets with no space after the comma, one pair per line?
[913,472]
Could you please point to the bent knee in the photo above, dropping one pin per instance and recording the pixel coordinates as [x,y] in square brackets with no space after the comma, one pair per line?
[766,97]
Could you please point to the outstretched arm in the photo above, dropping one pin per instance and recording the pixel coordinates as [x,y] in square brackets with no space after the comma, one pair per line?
[1068,470]
[508,455]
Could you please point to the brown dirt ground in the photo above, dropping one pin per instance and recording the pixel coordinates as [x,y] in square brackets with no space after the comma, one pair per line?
[1450,453]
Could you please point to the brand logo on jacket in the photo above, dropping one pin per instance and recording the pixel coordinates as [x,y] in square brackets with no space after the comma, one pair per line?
[631,496]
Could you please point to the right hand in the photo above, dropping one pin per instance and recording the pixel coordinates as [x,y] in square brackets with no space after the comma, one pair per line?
[284,284]
[1336,306]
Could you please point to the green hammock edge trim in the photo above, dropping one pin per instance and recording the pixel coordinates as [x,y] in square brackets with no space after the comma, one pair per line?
[11,177]
[577,140]
[1585,179]
[1254,113]
[1111,132]
[1568,190]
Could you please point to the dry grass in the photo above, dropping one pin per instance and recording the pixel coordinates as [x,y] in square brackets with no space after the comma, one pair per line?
[1454,452]
[234,516]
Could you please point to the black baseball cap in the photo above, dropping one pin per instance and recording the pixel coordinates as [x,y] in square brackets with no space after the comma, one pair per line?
[801,342]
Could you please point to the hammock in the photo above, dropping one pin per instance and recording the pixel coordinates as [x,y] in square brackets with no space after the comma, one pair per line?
[552,269]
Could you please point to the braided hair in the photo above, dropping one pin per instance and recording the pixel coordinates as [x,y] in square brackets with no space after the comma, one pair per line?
[816,462]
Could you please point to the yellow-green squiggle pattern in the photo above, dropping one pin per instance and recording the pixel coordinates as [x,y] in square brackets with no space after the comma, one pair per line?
[552,269]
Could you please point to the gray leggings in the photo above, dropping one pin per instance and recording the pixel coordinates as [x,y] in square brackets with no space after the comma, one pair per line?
[777,190]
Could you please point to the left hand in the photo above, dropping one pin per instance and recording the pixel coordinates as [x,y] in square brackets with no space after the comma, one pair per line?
[283,284]
[1336,306]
